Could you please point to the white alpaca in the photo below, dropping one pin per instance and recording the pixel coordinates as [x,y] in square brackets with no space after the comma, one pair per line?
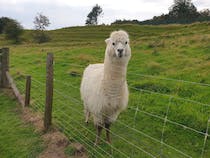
[104,89]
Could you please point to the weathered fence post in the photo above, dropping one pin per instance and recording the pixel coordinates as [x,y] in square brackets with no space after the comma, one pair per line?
[4,67]
[27,90]
[49,92]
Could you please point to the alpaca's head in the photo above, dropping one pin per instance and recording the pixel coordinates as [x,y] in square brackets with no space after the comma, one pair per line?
[118,48]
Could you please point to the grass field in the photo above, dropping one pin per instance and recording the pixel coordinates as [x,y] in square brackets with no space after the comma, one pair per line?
[17,139]
[180,52]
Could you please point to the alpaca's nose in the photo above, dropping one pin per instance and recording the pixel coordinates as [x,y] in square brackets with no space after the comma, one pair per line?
[120,51]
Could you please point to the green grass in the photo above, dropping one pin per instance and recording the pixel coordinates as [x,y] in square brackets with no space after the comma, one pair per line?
[169,51]
[17,139]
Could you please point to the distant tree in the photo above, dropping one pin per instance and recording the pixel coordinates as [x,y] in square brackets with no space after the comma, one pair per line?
[13,30]
[204,15]
[3,22]
[41,22]
[92,17]
[205,12]
[183,11]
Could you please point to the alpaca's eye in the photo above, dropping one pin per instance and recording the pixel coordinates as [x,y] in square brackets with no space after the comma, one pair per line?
[113,43]
[126,42]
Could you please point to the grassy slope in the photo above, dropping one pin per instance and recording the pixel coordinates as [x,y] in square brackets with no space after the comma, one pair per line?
[16,138]
[174,51]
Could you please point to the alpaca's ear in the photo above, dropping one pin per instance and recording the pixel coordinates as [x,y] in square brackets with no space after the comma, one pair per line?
[107,40]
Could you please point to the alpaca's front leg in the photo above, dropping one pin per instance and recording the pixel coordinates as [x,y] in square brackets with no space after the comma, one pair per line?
[99,129]
[107,127]
[87,115]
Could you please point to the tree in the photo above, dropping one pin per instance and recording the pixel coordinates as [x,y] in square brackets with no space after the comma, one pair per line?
[204,15]
[3,22]
[205,12]
[183,11]
[41,22]
[13,30]
[92,17]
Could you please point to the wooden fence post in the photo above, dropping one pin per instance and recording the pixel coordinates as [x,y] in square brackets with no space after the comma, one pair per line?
[4,67]
[27,91]
[0,68]
[49,92]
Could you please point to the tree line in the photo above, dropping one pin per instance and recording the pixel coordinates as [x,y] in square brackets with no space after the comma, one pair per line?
[181,12]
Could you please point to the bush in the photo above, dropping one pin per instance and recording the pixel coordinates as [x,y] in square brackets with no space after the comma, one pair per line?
[40,36]
[13,30]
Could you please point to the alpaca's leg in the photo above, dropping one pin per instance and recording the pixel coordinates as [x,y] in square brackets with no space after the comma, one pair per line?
[87,115]
[99,129]
[107,127]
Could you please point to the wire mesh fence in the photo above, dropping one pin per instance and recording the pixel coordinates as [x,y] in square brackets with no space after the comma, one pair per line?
[165,117]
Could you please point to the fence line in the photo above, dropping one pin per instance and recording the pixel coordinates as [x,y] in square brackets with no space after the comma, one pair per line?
[39,105]
[184,126]
[60,93]
[143,90]
[172,122]
[157,93]
[88,129]
[79,103]
[85,129]
[75,135]
[119,137]
[154,139]
[151,114]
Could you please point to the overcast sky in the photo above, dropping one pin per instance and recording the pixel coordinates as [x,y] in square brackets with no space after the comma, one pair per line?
[64,13]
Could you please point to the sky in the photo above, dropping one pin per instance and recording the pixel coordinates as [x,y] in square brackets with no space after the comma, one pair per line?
[65,13]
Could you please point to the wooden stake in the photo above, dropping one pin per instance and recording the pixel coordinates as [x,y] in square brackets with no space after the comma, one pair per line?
[27,91]
[49,92]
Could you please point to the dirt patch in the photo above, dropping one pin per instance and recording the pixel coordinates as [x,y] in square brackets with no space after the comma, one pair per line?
[56,144]
[35,118]
[79,150]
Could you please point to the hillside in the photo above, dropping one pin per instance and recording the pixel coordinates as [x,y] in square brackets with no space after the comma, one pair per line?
[170,66]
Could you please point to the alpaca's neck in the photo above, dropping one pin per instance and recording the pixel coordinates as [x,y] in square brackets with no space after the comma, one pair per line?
[114,71]
[114,78]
